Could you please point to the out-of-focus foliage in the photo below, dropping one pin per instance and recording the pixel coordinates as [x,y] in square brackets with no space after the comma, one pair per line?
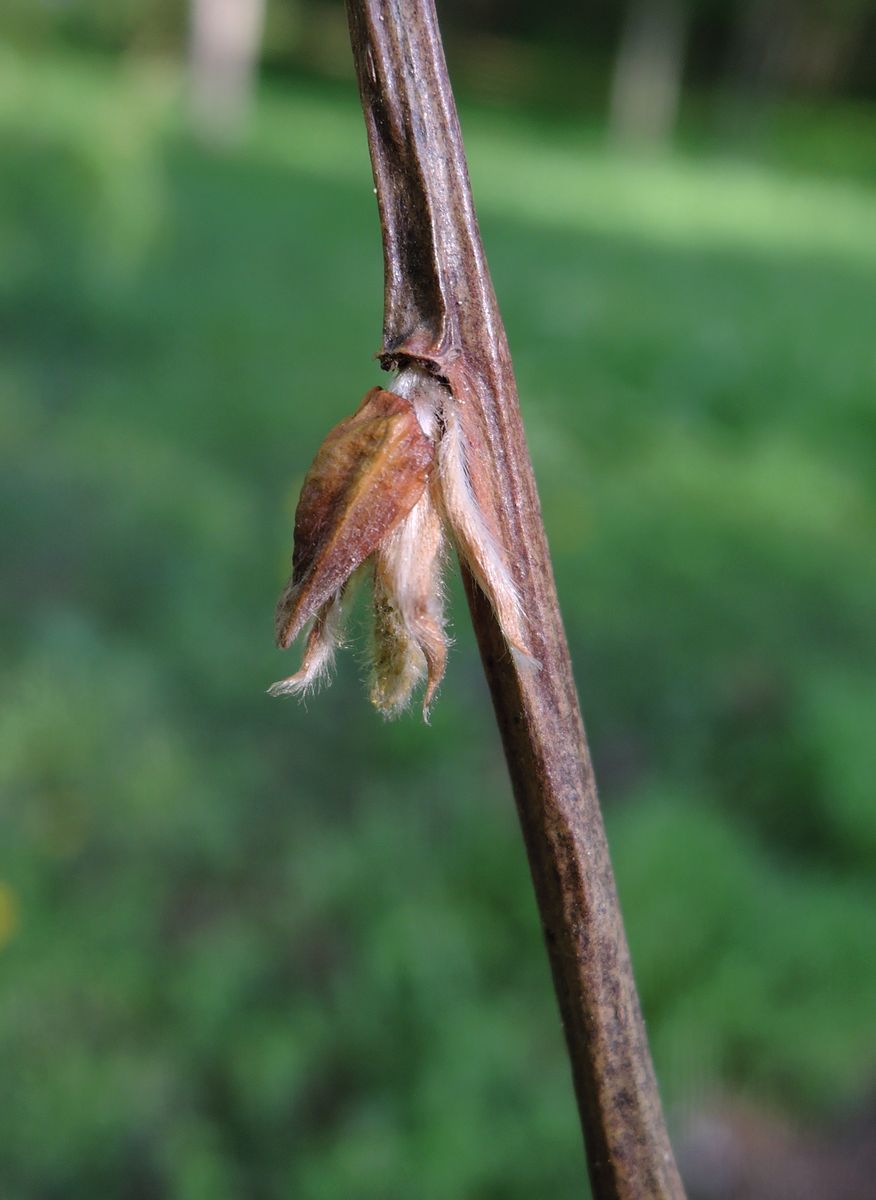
[98,24]
[253,949]
[558,54]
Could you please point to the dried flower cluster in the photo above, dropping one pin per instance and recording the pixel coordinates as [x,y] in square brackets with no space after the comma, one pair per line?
[386,486]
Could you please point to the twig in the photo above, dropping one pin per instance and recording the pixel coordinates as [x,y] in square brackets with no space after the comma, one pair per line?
[441,312]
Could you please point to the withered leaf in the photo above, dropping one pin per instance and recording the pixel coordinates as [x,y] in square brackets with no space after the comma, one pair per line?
[367,476]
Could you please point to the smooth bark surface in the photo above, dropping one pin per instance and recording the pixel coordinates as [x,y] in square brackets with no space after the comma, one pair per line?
[440,311]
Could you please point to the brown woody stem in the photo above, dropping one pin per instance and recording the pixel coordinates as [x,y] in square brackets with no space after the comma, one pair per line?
[441,311]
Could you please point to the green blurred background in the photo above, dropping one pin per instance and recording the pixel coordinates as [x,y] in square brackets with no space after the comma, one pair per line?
[250,948]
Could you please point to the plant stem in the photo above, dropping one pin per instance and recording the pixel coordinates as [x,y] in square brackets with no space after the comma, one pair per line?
[441,312]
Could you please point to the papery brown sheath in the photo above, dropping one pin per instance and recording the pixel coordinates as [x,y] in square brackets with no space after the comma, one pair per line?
[441,313]
[368,474]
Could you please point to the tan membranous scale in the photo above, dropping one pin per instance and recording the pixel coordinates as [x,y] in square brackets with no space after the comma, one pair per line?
[384,487]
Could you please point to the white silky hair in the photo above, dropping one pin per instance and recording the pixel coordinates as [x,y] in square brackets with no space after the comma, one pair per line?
[410,643]
[427,395]
[437,411]
[325,638]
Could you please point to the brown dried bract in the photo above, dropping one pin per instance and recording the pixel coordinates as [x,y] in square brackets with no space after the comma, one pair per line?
[367,476]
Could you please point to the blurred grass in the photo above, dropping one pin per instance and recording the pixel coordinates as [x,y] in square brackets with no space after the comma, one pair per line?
[253,949]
